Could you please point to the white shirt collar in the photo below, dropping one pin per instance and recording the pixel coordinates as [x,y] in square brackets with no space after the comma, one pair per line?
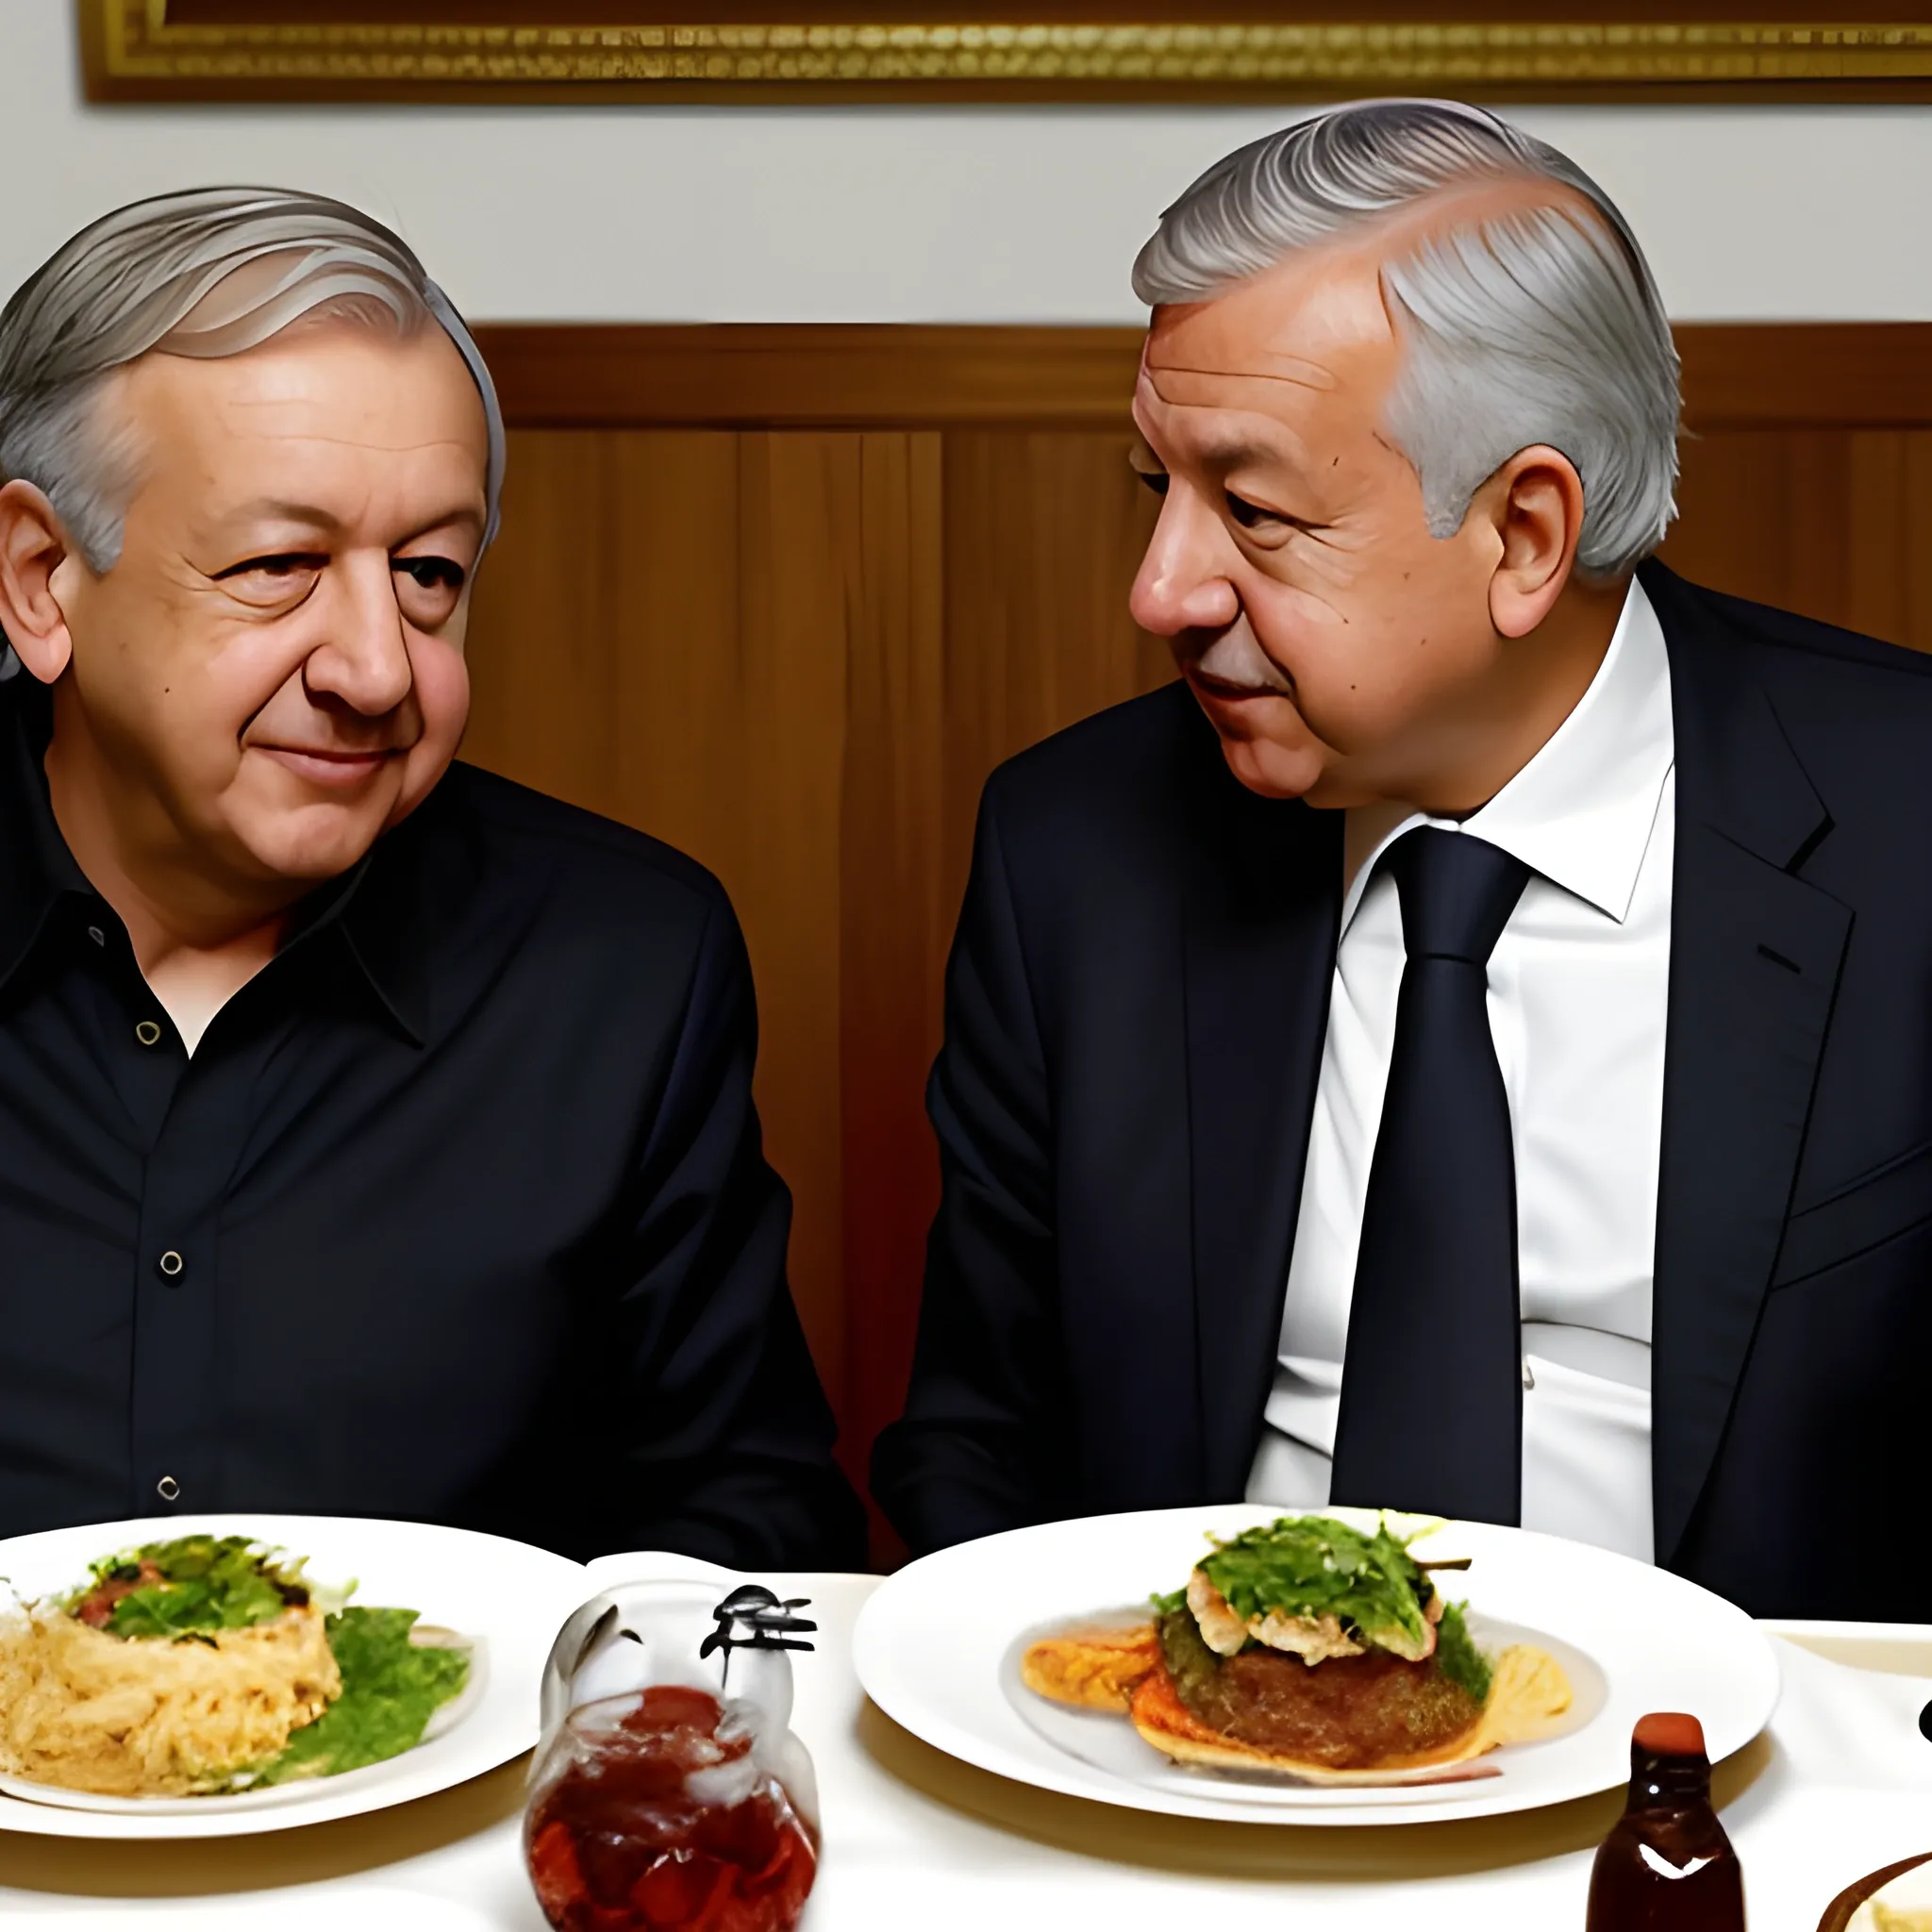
[1580,811]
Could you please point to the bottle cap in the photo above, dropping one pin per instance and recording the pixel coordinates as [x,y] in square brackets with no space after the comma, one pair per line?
[1669,1734]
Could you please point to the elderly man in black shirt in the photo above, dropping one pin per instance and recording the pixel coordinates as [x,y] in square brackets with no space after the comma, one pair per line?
[376,1137]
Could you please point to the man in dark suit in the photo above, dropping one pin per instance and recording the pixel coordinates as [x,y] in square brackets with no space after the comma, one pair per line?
[1468,1047]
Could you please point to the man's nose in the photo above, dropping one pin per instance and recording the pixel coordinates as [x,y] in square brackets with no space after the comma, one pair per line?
[1183,584]
[365,661]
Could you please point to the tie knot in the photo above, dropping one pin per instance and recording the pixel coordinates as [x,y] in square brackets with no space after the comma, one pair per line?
[1457,893]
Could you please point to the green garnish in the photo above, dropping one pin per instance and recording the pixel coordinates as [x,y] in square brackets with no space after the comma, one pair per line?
[204,1583]
[186,1591]
[1456,1655]
[1312,1566]
[1165,1605]
[391,1689]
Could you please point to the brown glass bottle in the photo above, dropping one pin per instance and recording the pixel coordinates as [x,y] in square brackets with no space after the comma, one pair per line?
[1667,1866]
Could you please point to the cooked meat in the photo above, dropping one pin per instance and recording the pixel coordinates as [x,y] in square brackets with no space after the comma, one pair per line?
[1221,1630]
[98,1605]
[1347,1713]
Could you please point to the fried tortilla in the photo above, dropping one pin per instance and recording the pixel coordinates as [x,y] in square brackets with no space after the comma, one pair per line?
[1093,1665]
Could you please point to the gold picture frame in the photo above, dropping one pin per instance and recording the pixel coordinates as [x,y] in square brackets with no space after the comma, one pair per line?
[226,50]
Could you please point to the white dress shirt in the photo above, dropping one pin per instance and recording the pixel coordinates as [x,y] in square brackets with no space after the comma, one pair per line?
[1578,998]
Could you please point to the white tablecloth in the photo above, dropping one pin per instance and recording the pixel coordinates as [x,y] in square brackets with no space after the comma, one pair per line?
[1841,1786]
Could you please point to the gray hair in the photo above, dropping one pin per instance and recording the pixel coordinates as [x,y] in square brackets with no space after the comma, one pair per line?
[209,272]
[1535,325]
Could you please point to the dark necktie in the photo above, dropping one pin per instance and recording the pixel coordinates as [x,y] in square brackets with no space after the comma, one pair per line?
[1432,1383]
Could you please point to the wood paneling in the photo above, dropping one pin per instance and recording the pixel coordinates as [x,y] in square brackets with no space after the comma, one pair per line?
[1044,533]
[785,596]
[857,376]
[795,655]
[1833,523]
[896,914]
[610,375]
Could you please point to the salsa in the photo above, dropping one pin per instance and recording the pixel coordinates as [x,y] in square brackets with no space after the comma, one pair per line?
[663,1822]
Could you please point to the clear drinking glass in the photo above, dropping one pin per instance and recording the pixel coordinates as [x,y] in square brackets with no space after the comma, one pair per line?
[668,1794]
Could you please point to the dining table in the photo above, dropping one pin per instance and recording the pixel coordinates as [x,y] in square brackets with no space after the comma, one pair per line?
[1839,1786]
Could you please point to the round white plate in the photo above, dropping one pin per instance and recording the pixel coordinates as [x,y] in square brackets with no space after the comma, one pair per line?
[1911,1891]
[307,1909]
[937,1647]
[507,1597]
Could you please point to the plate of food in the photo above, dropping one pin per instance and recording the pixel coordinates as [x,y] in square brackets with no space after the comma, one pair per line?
[205,1677]
[1896,1900]
[1340,1667]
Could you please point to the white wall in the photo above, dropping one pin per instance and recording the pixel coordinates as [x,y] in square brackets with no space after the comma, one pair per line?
[926,215]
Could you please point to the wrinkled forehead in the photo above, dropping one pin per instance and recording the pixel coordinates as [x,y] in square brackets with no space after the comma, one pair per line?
[341,377]
[352,420]
[1312,327]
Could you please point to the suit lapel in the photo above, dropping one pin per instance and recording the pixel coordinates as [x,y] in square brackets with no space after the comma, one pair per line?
[1258,958]
[1755,959]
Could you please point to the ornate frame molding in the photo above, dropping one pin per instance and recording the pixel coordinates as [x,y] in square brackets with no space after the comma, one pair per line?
[133,51]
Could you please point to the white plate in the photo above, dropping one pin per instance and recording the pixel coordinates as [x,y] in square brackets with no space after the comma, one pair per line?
[937,1649]
[511,1599]
[320,1909]
[1911,1891]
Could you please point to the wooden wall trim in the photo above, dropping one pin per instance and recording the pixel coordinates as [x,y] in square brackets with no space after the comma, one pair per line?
[1806,374]
[869,375]
[807,375]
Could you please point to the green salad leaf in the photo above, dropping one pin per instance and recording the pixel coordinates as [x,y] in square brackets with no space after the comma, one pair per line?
[194,1583]
[1312,1566]
[391,1689]
[1456,1655]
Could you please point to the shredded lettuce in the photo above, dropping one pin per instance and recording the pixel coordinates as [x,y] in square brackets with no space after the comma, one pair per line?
[1456,1655]
[206,1584]
[1314,1565]
[391,1689]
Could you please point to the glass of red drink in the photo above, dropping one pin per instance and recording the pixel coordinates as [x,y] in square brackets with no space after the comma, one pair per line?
[668,1794]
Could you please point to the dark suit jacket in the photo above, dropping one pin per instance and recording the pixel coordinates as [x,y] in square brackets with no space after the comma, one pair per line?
[1136,1006]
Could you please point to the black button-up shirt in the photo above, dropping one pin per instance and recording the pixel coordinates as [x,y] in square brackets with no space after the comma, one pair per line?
[456,1212]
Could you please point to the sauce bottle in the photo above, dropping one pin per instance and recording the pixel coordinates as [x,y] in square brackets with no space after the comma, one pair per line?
[1667,1865]
[651,1814]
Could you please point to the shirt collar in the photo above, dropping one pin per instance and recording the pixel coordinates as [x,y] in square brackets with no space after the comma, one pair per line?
[1581,811]
[371,903]
[381,917]
[36,868]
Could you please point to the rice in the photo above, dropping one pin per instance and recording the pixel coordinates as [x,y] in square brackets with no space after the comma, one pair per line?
[153,1717]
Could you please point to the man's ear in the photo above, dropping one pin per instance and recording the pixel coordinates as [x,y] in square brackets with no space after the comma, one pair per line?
[33,546]
[1535,501]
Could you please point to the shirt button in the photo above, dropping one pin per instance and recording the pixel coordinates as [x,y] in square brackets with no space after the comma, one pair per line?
[147,1032]
[171,1265]
[96,934]
[167,1488]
